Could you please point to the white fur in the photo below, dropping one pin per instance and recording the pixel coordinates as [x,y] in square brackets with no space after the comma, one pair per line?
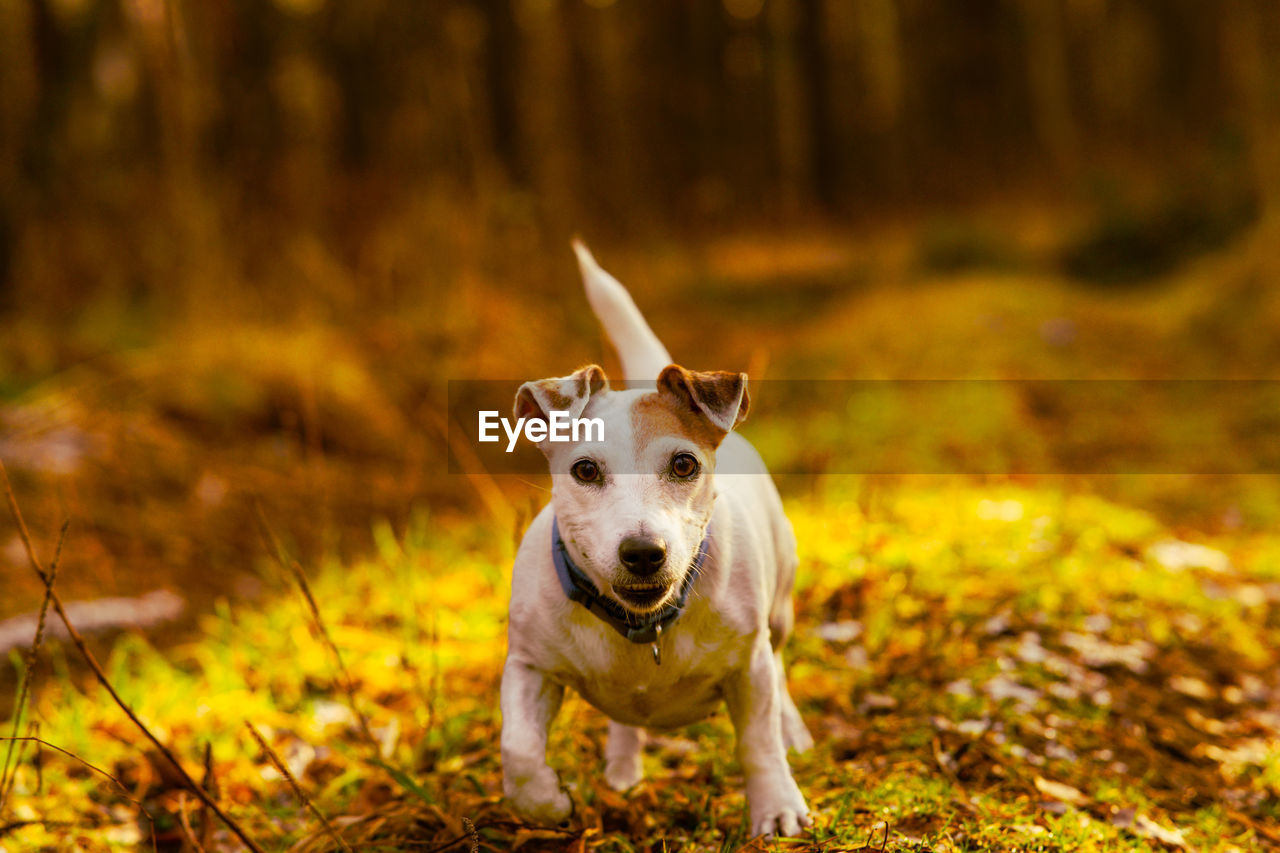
[643,355]
[718,650]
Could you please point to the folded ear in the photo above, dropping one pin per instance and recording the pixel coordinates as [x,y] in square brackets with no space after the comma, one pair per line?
[718,395]
[568,393]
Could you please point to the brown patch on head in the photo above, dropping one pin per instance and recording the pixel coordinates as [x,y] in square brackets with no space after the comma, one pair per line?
[657,415]
[701,406]
[718,397]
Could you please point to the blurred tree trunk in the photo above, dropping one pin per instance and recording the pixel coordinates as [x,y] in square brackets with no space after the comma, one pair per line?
[822,172]
[17,89]
[609,61]
[1050,82]
[550,152]
[792,118]
[875,37]
[705,47]
[503,48]
[53,84]
[583,128]
[1254,70]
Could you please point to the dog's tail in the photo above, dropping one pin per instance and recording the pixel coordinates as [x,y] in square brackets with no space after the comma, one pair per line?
[643,355]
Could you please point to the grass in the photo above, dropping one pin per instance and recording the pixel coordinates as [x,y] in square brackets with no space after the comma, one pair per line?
[999,642]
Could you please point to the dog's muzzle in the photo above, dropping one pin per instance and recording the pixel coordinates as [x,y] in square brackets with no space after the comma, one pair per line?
[641,595]
[638,627]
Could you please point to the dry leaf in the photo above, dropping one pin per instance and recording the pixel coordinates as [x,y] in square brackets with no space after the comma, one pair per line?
[1061,792]
[1148,828]
[1193,687]
[524,836]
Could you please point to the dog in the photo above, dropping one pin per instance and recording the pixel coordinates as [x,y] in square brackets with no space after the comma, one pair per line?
[649,584]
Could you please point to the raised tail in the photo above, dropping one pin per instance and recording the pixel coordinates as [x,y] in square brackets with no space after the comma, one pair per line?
[643,355]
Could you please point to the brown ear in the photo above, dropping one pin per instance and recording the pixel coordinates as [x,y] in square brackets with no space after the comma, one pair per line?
[568,393]
[718,395]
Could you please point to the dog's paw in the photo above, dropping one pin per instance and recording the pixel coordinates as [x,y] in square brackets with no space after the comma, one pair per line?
[540,800]
[623,772]
[786,823]
[779,810]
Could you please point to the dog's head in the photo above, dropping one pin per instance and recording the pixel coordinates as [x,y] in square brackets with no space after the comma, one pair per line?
[633,507]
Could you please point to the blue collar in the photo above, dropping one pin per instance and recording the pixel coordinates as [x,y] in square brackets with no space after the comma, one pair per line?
[638,629]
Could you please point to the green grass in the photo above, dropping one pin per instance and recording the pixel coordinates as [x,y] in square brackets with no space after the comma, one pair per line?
[1020,635]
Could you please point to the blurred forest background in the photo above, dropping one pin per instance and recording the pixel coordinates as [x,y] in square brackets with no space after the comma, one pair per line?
[244,245]
[359,154]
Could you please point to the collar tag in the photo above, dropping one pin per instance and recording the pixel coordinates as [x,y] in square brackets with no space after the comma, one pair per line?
[657,652]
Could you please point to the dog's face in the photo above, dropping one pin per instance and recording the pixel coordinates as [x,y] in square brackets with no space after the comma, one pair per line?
[633,508]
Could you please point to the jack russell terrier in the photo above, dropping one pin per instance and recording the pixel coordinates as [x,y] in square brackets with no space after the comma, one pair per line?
[651,585]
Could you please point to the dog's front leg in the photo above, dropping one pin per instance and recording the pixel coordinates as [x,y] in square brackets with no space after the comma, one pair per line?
[755,706]
[530,701]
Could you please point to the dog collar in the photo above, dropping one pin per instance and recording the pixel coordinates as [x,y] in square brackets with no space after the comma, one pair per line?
[638,629]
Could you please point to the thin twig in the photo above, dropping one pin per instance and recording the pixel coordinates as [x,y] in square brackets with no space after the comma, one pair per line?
[7,828]
[101,675]
[6,782]
[185,824]
[94,768]
[299,577]
[471,831]
[1267,833]
[33,730]
[297,789]
[210,785]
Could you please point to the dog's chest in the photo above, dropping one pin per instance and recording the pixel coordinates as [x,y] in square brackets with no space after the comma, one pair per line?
[633,689]
[653,699]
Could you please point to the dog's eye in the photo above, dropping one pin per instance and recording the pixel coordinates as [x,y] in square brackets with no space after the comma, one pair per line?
[586,471]
[684,465]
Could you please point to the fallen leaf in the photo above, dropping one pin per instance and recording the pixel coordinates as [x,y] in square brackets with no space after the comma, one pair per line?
[844,631]
[524,836]
[1099,653]
[1177,555]
[1000,687]
[873,703]
[1193,687]
[1061,792]
[1148,828]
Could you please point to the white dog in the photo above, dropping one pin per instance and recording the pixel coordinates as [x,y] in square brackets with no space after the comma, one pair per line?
[651,585]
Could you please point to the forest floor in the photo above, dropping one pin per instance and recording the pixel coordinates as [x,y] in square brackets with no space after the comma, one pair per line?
[987,662]
[982,667]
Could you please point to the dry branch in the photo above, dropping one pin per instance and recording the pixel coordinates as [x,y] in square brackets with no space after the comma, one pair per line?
[101,675]
[24,690]
[6,828]
[46,744]
[210,785]
[472,834]
[184,823]
[297,789]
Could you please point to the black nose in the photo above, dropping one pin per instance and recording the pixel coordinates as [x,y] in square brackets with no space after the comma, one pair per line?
[642,555]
